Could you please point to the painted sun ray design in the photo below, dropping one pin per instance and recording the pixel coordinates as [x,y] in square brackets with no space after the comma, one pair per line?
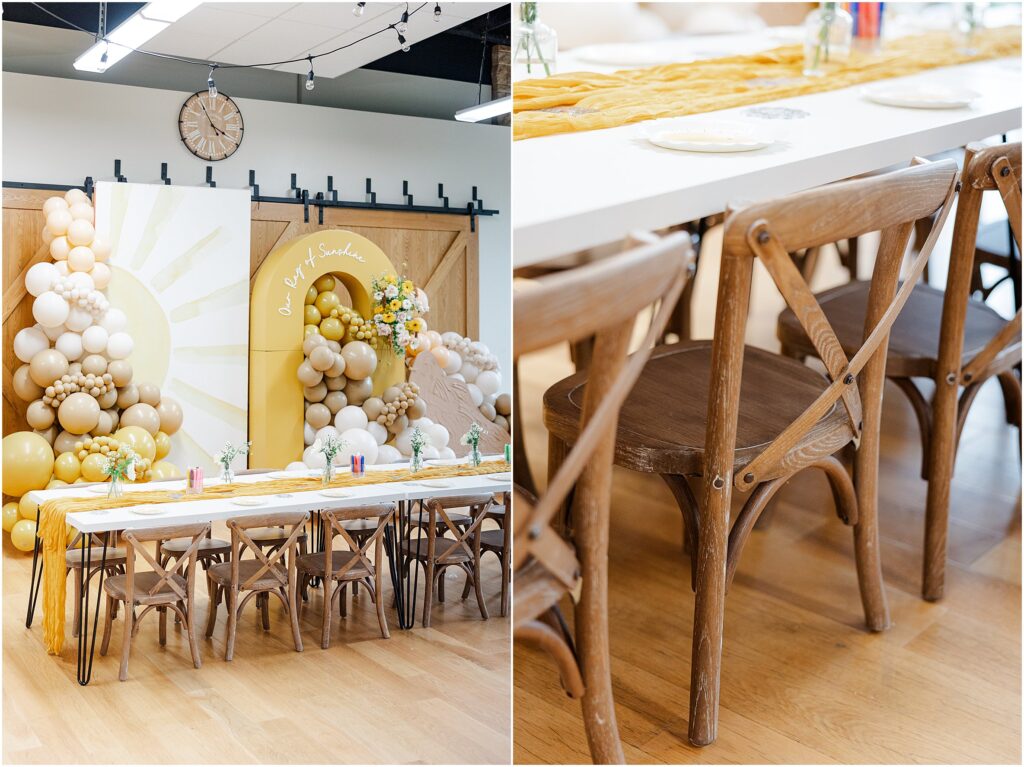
[214,406]
[231,295]
[164,206]
[205,248]
[231,353]
[194,450]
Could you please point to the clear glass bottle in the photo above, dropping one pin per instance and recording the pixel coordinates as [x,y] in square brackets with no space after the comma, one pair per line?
[970,17]
[828,35]
[536,47]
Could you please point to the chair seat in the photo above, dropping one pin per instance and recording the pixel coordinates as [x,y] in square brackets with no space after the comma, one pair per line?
[73,557]
[360,527]
[221,574]
[207,546]
[914,341]
[444,548]
[663,422]
[492,540]
[117,587]
[313,564]
[459,520]
[269,535]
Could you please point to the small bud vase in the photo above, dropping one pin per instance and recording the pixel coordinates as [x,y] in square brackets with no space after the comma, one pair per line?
[475,459]
[227,474]
[116,488]
[328,474]
[416,462]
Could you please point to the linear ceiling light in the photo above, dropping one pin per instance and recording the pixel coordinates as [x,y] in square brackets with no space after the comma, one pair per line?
[143,25]
[485,111]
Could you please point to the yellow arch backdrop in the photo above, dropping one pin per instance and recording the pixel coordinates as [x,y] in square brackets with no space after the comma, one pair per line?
[276,326]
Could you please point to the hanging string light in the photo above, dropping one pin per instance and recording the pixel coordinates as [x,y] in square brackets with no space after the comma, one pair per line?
[402,42]
[358,10]
[403,25]
[211,86]
[309,78]
[437,11]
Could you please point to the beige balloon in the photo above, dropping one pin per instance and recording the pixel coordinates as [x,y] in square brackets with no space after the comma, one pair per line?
[81,259]
[503,404]
[311,342]
[487,411]
[360,360]
[141,414]
[171,415]
[399,425]
[121,370]
[315,393]
[65,442]
[308,375]
[24,386]
[373,407]
[336,383]
[75,196]
[318,415]
[48,434]
[78,413]
[127,396]
[108,399]
[417,408]
[338,367]
[101,249]
[321,358]
[47,366]
[501,421]
[358,390]
[94,364]
[335,400]
[149,394]
[39,415]
[104,424]
[115,418]
[54,203]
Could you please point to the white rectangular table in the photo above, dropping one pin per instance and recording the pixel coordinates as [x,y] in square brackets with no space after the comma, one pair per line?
[404,493]
[580,190]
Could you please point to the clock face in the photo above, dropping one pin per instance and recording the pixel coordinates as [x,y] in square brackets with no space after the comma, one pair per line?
[211,128]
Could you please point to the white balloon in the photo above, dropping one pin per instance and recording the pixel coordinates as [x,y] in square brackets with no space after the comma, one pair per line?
[29,342]
[447,453]
[431,452]
[469,372]
[360,442]
[378,432]
[458,377]
[422,423]
[54,203]
[114,321]
[78,319]
[454,362]
[388,454]
[70,345]
[119,346]
[62,268]
[489,381]
[100,249]
[40,277]
[350,417]
[308,433]
[450,337]
[313,458]
[404,441]
[324,432]
[49,309]
[52,333]
[295,466]
[81,280]
[475,394]
[94,340]
[438,435]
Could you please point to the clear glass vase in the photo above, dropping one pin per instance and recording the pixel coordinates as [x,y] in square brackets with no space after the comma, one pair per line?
[227,474]
[116,488]
[475,459]
[828,36]
[536,46]
[416,462]
[328,475]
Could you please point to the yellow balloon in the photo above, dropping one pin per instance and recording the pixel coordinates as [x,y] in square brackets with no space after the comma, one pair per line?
[67,467]
[23,535]
[92,467]
[311,294]
[27,508]
[311,315]
[165,470]
[326,282]
[332,329]
[327,301]
[53,484]
[138,439]
[311,329]
[163,445]
[27,463]
[10,515]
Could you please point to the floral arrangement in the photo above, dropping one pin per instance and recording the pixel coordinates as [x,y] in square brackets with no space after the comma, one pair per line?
[417,442]
[226,456]
[472,440]
[397,305]
[329,447]
[119,466]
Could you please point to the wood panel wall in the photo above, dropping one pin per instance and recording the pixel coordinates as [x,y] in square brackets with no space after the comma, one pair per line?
[439,251]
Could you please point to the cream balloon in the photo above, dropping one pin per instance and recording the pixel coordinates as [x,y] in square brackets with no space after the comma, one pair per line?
[404,441]
[79,232]
[171,415]
[49,309]
[78,413]
[78,319]
[52,333]
[82,210]
[295,466]
[438,435]
[139,414]
[469,372]
[40,277]
[308,435]
[100,275]
[81,259]
[149,393]
[431,452]
[73,196]
[447,453]
[94,339]
[350,417]
[488,381]
[58,221]
[121,371]
[100,249]
[360,360]
[313,458]
[454,363]
[378,432]
[441,355]
[114,320]
[54,203]
[388,454]
[119,345]
[475,394]
[62,268]
[40,415]
[59,250]
[359,442]
[28,342]
[47,366]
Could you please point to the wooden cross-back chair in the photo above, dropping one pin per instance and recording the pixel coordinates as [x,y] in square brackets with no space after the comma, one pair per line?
[74,563]
[948,337]
[553,557]
[437,553]
[336,569]
[497,542]
[162,588]
[268,572]
[689,415]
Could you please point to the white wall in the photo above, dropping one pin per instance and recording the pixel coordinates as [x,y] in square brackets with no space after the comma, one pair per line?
[59,131]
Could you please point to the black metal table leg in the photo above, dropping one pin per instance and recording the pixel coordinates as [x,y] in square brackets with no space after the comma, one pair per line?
[404,583]
[87,644]
[34,583]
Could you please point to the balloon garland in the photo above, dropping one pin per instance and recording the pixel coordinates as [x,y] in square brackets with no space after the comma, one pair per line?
[76,376]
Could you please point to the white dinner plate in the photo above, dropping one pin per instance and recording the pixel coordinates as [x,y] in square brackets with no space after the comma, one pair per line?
[336,493]
[249,501]
[433,483]
[505,477]
[919,96]
[148,511]
[98,489]
[444,461]
[704,136]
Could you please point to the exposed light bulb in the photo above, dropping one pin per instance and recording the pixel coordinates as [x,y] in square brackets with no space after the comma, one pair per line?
[358,10]
[403,25]
[437,11]
[211,86]
[403,43]
[310,85]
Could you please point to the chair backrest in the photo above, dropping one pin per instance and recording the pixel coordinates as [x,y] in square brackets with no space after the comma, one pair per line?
[986,168]
[185,565]
[442,548]
[333,519]
[769,231]
[601,299]
[294,523]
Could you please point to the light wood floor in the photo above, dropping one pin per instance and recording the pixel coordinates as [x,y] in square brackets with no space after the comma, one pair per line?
[437,695]
[802,680]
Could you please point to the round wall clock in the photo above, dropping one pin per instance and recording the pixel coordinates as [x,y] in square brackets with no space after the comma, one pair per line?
[210,127]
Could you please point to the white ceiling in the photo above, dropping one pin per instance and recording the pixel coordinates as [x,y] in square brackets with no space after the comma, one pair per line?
[250,33]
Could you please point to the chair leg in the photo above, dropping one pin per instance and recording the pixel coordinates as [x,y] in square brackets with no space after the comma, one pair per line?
[229,650]
[187,617]
[343,599]
[1011,396]
[475,570]
[76,622]
[466,588]
[941,460]
[107,624]
[428,592]
[293,611]
[440,590]
[378,602]
[211,619]
[162,611]
[325,620]
[129,619]
[265,610]
[505,575]
[867,547]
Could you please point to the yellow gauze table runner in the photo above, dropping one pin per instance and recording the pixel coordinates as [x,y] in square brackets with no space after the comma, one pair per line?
[580,101]
[53,530]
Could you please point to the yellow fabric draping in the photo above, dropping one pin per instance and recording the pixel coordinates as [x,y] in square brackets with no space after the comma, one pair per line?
[580,101]
[53,530]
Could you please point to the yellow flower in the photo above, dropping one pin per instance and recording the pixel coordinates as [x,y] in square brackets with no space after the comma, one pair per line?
[407,286]
[392,279]
[389,318]
[395,304]
[415,325]
[378,309]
